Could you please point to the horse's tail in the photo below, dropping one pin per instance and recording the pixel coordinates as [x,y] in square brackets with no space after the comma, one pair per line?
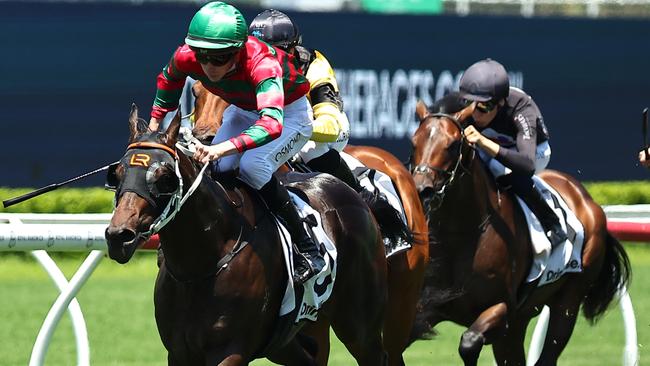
[613,276]
[390,221]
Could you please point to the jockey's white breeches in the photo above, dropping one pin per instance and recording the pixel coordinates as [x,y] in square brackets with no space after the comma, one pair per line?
[258,164]
[313,149]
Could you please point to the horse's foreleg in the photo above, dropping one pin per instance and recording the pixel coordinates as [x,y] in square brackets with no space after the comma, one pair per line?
[293,354]
[232,360]
[404,285]
[509,349]
[488,324]
[318,332]
[562,319]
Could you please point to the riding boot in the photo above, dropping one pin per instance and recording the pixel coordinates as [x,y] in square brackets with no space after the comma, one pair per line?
[544,213]
[332,163]
[308,260]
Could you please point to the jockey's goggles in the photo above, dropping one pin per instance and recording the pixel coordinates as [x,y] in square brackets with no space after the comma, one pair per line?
[486,107]
[218,59]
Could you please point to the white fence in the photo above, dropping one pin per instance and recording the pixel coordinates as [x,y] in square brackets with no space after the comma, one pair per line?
[40,233]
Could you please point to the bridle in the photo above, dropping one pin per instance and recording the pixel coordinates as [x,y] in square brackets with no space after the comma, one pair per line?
[177,198]
[448,175]
[176,202]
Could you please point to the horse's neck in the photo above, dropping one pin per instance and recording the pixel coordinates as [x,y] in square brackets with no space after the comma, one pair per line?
[455,228]
[466,203]
[194,240]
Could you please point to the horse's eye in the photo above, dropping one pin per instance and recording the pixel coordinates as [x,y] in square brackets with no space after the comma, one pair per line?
[167,184]
[161,179]
[454,147]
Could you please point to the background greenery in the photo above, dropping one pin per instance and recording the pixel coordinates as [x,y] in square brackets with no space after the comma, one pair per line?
[96,200]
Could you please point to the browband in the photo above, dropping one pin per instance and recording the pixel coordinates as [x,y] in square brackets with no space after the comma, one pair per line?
[152,145]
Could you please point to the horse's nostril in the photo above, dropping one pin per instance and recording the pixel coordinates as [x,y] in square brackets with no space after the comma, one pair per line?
[122,235]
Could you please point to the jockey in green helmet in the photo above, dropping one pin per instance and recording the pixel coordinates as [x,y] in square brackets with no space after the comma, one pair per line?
[269,117]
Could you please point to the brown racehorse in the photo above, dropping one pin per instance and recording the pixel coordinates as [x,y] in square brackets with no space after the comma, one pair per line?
[207,114]
[481,252]
[219,289]
[405,270]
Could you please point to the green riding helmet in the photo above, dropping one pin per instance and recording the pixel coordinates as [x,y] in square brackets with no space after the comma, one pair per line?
[217,26]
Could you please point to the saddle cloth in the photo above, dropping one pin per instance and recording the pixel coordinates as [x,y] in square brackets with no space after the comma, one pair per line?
[372,180]
[317,289]
[549,265]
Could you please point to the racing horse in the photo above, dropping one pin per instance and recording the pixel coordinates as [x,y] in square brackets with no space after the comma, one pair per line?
[405,269]
[219,288]
[481,251]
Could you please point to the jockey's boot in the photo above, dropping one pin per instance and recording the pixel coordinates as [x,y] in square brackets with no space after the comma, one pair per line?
[332,163]
[544,213]
[308,260]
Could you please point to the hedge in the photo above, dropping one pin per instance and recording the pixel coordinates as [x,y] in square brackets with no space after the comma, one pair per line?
[63,200]
[98,200]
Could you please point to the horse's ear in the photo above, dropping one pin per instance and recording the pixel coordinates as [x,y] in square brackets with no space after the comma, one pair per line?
[465,113]
[133,121]
[421,110]
[174,127]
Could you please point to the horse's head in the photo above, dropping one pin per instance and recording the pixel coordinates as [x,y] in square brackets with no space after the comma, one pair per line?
[208,110]
[437,149]
[144,181]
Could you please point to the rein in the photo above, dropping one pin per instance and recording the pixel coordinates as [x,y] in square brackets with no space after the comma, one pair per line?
[221,264]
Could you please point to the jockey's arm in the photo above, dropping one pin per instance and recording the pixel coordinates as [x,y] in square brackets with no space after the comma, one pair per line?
[270,104]
[170,84]
[522,159]
[642,159]
[325,99]
[328,116]
[154,123]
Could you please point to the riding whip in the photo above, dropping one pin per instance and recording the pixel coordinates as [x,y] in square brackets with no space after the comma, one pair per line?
[51,187]
[645,133]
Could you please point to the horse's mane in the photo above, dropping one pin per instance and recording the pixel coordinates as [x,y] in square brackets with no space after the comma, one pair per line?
[449,104]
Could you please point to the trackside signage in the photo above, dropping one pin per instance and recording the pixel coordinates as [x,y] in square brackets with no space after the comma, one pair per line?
[380,104]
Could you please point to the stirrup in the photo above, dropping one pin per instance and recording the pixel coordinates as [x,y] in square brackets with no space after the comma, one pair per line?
[306,265]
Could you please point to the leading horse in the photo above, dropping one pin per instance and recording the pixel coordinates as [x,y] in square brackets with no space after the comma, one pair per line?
[220,286]
[481,251]
[405,269]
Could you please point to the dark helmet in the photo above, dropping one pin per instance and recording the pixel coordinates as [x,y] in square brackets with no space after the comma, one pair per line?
[276,28]
[485,80]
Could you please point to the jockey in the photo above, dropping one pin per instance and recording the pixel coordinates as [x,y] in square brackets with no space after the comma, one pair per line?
[509,129]
[269,118]
[331,129]
[642,159]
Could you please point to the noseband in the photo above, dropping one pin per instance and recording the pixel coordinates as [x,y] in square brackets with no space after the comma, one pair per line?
[448,175]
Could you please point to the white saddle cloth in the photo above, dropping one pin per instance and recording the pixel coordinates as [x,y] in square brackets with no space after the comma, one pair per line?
[384,184]
[318,288]
[549,265]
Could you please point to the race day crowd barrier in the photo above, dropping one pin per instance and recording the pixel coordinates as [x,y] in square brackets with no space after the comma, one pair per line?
[42,233]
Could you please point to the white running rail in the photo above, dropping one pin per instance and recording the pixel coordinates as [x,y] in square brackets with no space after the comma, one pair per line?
[40,233]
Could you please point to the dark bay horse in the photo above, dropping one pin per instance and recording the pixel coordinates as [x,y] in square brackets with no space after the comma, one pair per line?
[481,252]
[405,270]
[219,288]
